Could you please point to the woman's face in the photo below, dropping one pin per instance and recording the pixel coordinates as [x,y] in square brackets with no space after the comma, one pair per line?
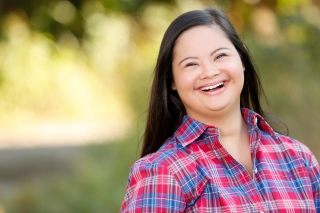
[207,73]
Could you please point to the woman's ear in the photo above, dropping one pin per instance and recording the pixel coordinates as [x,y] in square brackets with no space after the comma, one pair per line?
[245,47]
[173,86]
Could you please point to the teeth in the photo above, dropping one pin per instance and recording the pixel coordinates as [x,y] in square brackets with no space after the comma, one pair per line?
[212,87]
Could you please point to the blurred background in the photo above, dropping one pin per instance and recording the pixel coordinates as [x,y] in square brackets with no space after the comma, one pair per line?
[74,87]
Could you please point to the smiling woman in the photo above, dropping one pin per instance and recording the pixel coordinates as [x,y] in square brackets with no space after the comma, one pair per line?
[207,146]
[208,76]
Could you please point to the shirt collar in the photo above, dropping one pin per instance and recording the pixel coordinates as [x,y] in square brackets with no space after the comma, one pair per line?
[253,120]
[190,129]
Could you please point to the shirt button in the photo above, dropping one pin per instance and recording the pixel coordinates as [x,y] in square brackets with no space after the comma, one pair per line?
[256,171]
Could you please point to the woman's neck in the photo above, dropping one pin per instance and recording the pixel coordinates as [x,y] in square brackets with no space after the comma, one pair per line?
[231,125]
[229,122]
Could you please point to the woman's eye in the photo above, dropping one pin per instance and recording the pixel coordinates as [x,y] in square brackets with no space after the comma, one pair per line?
[190,64]
[220,55]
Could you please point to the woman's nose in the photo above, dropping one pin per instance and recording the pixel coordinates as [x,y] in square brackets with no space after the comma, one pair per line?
[209,71]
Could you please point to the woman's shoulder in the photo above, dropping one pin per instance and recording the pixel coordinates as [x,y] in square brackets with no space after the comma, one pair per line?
[295,147]
[169,156]
[292,143]
[172,164]
[172,161]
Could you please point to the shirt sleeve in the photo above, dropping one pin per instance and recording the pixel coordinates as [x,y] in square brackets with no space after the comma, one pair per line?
[315,180]
[152,188]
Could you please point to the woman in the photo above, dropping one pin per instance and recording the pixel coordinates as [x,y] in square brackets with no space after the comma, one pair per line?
[207,146]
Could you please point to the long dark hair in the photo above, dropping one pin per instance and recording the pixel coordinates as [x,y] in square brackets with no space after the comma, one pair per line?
[165,107]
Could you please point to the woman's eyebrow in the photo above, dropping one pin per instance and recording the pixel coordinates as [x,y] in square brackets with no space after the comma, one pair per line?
[213,52]
[220,48]
[187,59]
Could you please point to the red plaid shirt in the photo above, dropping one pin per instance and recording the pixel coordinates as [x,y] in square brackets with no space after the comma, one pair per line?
[192,172]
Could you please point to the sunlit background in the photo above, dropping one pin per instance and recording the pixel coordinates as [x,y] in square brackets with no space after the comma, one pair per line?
[74,86]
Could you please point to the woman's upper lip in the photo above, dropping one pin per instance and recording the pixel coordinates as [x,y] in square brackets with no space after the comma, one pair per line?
[210,84]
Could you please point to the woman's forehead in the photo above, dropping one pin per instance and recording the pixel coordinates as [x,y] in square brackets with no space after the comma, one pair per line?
[199,37]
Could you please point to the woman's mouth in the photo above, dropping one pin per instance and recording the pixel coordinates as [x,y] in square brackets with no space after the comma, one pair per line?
[213,87]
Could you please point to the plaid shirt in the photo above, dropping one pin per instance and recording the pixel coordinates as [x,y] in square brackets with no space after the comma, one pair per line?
[193,172]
